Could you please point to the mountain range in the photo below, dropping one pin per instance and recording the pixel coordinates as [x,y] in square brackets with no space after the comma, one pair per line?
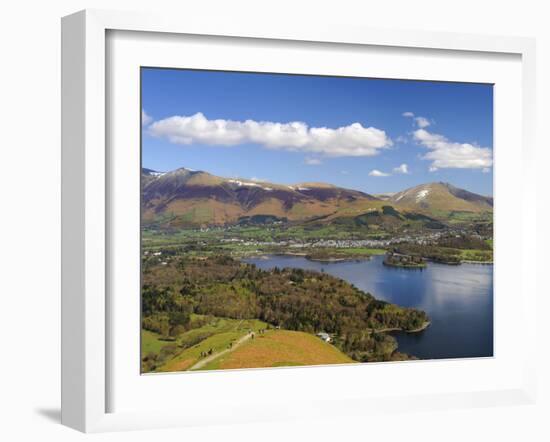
[186,197]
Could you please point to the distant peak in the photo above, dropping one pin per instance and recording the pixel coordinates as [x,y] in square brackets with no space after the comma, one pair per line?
[151,172]
[435,184]
[314,184]
[181,170]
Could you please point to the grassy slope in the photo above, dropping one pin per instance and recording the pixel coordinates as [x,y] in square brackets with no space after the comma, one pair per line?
[223,332]
[476,255]
[456,217]
[278,348]
[203,211]
[151,342]
[275,348]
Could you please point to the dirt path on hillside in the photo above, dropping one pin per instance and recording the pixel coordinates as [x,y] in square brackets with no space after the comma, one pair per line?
[210,358]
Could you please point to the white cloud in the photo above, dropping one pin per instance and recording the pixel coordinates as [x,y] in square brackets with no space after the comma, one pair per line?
[145,119]
[378,173]
[422,122]
[312,161]
[419,121]
[401,169]
[353,140]
[446,154]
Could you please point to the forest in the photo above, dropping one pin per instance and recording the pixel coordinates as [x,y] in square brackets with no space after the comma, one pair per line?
[292,299]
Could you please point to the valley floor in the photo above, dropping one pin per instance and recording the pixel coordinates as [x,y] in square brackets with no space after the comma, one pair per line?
[188,268]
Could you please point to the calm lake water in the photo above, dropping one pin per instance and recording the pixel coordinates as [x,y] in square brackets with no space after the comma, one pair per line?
[458,299]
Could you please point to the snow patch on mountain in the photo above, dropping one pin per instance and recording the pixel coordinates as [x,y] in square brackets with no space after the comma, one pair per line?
[422,195]
[249,184]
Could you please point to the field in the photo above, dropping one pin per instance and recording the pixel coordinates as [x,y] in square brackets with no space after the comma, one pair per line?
[237,344]
[155,239]
[151,342]
[477,255]
[280,348]
[462,217]
[341,254]
[185,350]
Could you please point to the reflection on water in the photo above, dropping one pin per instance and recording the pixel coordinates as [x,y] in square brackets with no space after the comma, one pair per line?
[458,299]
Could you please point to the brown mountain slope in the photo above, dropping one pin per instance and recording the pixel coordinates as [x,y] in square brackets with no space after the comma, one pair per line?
[187,197]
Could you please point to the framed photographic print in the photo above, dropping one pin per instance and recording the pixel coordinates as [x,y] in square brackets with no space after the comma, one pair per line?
[294,220]
[284,230]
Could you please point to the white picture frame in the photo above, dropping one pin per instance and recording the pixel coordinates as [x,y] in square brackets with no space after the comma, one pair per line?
[86,315]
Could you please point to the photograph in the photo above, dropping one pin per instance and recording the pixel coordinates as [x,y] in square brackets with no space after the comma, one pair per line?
[302,220]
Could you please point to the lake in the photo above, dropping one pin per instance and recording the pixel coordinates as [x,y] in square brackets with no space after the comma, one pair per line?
[458,299]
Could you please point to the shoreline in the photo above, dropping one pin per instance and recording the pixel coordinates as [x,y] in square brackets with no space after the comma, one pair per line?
[416,330]
[342,259]
[399,266]
[305,255]
[466,261]
[364,258]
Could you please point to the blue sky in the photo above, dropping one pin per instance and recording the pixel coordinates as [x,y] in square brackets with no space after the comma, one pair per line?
[352,132]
